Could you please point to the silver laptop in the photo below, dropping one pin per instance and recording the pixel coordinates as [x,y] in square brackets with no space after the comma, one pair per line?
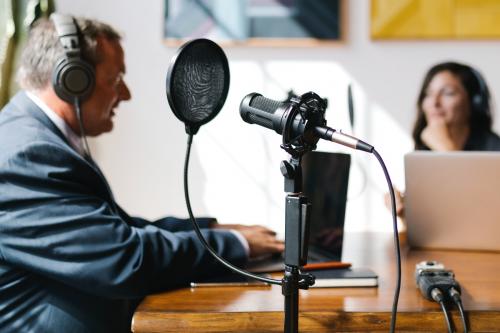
[325,179]
[452,200]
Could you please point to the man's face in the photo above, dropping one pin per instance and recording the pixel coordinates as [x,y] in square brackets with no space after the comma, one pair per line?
[109,90]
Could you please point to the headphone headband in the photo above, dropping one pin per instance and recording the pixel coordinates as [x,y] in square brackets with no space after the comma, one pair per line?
[68,34]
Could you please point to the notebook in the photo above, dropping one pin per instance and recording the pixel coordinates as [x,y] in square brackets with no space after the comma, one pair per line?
[350,277]
[452,200]
[325,181]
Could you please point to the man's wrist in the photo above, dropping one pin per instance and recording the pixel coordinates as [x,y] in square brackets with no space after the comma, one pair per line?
[242,240]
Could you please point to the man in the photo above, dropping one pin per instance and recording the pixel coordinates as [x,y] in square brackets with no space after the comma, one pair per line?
[71,260]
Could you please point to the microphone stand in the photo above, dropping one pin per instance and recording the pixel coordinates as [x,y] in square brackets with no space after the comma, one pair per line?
[297,214]
[296,120]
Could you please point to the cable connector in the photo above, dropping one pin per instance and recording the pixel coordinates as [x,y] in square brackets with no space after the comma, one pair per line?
[439,285]
[455,295]
[428,280]
[437,295]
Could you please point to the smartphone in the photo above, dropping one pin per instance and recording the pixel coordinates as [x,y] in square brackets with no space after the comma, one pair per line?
[230,280]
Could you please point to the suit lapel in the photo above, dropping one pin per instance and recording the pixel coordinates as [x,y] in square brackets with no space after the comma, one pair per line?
[25,105]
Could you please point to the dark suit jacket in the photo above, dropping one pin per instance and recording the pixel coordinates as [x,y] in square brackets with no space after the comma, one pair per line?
[68,262]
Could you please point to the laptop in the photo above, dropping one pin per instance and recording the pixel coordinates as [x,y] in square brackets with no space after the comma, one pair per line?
[452,200]
[325,180]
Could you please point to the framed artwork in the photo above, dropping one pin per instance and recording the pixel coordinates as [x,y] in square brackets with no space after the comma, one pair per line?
[438,19]
[254,22]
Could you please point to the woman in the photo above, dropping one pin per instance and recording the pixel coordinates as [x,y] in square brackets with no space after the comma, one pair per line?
[453,113]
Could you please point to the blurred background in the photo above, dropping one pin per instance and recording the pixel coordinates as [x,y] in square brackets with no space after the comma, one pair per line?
[234,171]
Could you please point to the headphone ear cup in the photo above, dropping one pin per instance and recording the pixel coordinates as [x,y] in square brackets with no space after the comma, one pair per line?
[477,102]
[73,78]
[480,100]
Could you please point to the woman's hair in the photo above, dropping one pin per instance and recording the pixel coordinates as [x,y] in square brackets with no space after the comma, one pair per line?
[477,91]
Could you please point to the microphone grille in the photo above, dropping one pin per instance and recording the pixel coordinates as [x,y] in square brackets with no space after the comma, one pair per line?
[265,104]
[266,122]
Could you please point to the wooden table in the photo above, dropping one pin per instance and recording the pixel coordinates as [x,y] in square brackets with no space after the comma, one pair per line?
[260,309]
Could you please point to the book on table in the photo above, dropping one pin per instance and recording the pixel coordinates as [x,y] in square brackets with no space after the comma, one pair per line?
[348,277]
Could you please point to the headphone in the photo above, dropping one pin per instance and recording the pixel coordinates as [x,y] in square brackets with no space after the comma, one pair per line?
[480,100]
[73,78]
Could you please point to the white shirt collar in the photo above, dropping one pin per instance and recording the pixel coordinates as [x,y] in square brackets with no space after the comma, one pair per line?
[74,140]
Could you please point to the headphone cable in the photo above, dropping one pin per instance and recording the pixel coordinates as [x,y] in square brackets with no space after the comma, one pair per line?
[88,156]
[78,109]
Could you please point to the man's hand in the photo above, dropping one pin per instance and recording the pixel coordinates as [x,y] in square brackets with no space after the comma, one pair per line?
[261,240]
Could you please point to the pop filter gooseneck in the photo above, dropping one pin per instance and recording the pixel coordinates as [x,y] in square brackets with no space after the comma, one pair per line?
[197,86]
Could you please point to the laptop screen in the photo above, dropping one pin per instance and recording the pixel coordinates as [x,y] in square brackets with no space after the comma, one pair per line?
[325,179]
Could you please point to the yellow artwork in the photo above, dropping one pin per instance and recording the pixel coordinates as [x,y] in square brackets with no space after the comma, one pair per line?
[435,19]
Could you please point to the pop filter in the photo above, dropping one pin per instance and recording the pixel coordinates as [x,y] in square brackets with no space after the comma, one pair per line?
[197,83]
[197,86]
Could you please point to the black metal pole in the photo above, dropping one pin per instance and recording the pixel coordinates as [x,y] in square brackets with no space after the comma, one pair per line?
[297,211]
[290,290]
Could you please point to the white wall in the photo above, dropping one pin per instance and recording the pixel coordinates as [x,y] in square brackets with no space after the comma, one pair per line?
[234,166]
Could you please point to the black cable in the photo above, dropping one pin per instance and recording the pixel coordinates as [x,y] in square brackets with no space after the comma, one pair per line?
[438,296]
[88,155]
[200,235]
[455,296]
[462,316]
[396,242]
[82,130]
[446,316]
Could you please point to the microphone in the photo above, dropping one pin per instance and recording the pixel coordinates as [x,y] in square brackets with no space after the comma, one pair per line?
[301,122]
[302,116]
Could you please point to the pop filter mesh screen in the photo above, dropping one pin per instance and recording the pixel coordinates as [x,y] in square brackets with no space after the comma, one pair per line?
[199,82]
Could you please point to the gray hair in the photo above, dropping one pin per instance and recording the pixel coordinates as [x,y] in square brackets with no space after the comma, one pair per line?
[43,50]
